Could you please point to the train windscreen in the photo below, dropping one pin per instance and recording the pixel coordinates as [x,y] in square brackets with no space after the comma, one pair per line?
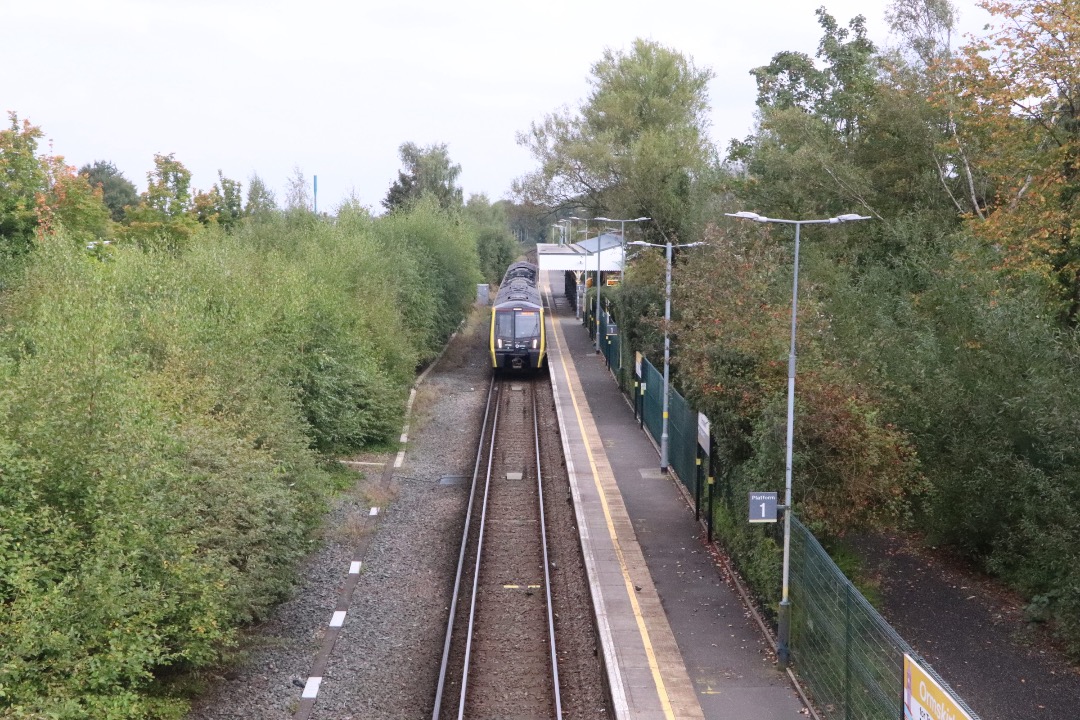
[527,325]
[504,328]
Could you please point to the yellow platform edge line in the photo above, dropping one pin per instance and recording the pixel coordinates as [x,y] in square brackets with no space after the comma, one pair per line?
[643,630]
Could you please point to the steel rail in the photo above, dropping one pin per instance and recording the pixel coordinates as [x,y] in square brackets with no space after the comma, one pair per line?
[476,570]
[461,556]
[547,563]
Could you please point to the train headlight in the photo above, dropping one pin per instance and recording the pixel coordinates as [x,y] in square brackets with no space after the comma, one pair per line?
[498,343]
[535,343]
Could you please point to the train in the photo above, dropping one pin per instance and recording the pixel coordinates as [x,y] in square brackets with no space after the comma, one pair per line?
[517,341]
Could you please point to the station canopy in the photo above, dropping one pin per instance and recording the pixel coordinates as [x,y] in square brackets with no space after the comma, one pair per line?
[582,256]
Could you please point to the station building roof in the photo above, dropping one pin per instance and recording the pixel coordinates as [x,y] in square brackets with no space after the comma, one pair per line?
[582,256]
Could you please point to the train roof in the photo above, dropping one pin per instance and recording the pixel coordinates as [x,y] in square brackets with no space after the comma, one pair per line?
[518,291]
[522,270]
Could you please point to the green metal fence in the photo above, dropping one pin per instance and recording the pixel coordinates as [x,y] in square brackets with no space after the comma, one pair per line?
[682,425]
[588,318]
[850,658]
[609,342]
[682,440]
[652,403]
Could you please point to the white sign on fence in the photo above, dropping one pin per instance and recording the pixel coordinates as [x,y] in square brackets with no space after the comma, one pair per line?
[762,507]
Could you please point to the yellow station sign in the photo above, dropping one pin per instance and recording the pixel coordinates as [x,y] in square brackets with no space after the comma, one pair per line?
[924,698]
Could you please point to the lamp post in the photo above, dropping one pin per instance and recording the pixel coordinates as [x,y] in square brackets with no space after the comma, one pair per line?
[667,342]
[622,229]
[622,242]
[597,318]
[574,217]
[571,218]
[561,224]
[783,632]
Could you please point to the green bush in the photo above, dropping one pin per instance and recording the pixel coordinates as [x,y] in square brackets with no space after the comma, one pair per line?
[160,414]
[438,271]
[984,381]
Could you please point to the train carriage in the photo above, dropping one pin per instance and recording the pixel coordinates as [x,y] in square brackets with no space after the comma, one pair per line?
[517,337]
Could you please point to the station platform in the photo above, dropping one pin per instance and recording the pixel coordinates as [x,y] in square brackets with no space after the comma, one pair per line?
[678,642]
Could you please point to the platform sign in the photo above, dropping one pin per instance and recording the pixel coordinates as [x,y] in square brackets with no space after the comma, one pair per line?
[924,698]
[762,507]
[703,428]
[637,364]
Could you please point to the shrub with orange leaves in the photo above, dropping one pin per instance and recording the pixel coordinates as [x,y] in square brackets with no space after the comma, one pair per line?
[854,468]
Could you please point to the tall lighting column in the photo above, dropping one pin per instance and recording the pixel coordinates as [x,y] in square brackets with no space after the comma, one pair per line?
[569,221]
[622,230]
[574,217]
[783,631]
[667,342]
[622,241]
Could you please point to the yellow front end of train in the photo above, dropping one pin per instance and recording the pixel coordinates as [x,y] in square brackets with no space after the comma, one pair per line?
[517,338]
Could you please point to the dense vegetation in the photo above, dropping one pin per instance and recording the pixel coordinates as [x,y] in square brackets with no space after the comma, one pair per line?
[177,366]
[172,388]
[938,341]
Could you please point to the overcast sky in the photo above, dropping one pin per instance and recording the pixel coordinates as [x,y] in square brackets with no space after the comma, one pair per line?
[333,87]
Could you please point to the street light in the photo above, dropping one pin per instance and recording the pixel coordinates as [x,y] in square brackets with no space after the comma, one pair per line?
[562,230]
[783,651]
[667,342]
[622,241]
[622,229]
[597,277]
[575,217]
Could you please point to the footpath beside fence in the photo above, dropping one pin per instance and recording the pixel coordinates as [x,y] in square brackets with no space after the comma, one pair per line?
[850,660]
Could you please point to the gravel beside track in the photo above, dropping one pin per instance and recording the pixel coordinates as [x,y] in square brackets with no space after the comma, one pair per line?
[385,661]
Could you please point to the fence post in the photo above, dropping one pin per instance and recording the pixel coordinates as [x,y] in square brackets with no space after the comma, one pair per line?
[637,383]
[641,417]
[712,484]
[697,482]
[847,652]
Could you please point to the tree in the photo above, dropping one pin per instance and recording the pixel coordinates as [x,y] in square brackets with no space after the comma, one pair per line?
[117,191]
[1020,92]
[921,71]
[494,243]
[22,180]
[40,192]
[426,170]
[222,204]
[73,202]
[638,145]
[260,199]
[165,214]
[926,27]
[857,129]
[297,193]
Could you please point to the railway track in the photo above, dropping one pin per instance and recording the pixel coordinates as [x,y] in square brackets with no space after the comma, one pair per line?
[500,658]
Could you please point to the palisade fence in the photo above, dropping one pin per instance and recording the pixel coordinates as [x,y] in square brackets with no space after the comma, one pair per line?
[849,658]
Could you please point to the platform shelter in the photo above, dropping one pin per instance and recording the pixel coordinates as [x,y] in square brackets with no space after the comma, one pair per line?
[582,256]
